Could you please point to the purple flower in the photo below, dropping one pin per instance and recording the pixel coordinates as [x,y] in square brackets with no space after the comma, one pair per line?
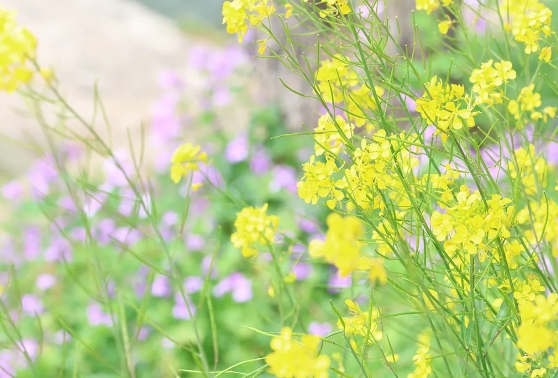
[319,329]
[67,203]
[552,153]
[45,281]
[260,163]
[170,218]
[96,316]
[58,250]
[13,191]
[207,173]
[336,282]
[168,79]
[237,149]
[143,334]
[31,305]
[221,96]
[79,234]
[206,265]
[103,231]
[284,177]
[7,358]
[307,225]
[41,174]
[31,243]
[193,284]
[195,242]
[127,236]
[302,271]
[197,57]
[181,310]
[116,176]
[238,284]
[29,346]
[161,286]
[62,336]
[92,204]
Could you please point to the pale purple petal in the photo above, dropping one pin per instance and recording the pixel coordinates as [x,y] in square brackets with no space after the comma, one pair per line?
[319,329]
[161,286]
[193,284]
[237,149]
[45,281]
[31,305]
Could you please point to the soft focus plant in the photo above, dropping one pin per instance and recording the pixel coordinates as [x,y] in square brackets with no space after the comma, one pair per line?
[423,242]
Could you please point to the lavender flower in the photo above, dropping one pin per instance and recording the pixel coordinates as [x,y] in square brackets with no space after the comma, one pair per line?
[337,283]
[32,305]
[161,286]
[237,149]
[31,243]
[193,284]
[13,191]
[238,284]
[284,177]
[181,310]
[45,281]
[260,163]
[96,316]
[58,250]
[319,329]
[195,242]
[302,271]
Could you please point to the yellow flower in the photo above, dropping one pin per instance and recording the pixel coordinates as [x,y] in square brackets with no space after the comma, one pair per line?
[240,14]
[361,323]
[292,358]
[422,360]
[546,54]
[487,81]
[319,182]
[441,105]
[444,26]
[262,45]
[288,10]
[522,365]
[343,234]
[253,227]
[431,5]
[185,159]
[17,48]
[326,134]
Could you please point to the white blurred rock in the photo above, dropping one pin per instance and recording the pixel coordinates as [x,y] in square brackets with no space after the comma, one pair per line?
[119,44]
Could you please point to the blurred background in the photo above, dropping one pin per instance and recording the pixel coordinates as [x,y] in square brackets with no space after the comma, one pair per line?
[122,46]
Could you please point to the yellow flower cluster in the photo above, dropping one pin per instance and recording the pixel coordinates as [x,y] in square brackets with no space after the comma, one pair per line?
[344,234]
[296,359]
[319,182]
[327,135]
[185,159]
[446,107]
[528,27]
[239,14]
[527,101]
[468,225]
[362,323]
[253,227]
[422,359]
[487,81]
[334,7]
[17,48]
[537,333]
[532,169]
[338,82]
[431,5]
[541,223]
